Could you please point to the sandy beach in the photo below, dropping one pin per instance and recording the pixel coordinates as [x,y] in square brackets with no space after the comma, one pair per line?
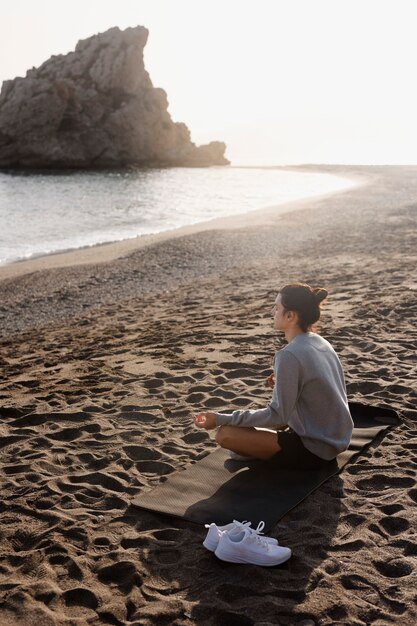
[106,355]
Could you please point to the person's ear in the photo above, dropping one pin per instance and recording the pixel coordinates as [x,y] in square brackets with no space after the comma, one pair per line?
[292,316]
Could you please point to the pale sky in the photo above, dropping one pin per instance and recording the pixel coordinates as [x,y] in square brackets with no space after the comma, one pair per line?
[280,81]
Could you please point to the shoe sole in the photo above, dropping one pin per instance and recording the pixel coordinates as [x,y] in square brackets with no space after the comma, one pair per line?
[233,558]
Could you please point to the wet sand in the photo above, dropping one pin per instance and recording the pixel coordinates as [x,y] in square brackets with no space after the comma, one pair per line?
[105,359]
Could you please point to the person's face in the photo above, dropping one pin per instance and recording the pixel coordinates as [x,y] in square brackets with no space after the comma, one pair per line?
[279,315]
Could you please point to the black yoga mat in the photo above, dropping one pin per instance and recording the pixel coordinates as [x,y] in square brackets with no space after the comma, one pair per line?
[218,489]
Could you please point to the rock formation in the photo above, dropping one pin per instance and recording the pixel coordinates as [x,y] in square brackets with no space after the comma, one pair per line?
[95,107]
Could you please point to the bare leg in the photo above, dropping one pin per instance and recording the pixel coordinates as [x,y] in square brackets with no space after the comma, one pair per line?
[260,444]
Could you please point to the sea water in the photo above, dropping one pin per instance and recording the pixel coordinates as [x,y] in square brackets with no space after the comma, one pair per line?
[44,213]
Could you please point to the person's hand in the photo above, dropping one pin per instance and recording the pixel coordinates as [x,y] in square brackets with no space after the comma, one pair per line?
[270,381]
[205,419]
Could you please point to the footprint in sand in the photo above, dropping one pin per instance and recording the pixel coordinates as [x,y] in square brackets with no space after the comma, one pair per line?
[169,534]
[155,467]
[395,568]
[141,453]
[394,525]
[123,574]
[67,564]
[79,596]
[196,437]
[381,481]
[391,509]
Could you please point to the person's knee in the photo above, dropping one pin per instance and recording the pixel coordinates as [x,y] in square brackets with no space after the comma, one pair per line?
[224,436]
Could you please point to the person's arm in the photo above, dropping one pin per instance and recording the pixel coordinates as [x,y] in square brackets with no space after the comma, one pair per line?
[208,420]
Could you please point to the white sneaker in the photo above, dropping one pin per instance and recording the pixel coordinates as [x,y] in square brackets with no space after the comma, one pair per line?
[248,547]
[214,533]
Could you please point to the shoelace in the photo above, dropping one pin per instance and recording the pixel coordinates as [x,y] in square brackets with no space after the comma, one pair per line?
[260,541]
[254,533]
[240,524]
[257,531]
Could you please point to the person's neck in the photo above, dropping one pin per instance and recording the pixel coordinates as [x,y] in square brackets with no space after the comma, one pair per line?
[292,333]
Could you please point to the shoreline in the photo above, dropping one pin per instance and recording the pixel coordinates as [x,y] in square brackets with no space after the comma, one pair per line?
[109,251]
[75,284]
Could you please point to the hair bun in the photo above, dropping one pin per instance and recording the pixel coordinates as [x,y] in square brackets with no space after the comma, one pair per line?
[320,294]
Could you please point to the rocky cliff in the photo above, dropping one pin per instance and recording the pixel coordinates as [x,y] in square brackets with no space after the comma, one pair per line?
[95,107]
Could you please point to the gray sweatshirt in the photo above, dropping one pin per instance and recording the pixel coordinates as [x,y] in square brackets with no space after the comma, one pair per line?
[309,396]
